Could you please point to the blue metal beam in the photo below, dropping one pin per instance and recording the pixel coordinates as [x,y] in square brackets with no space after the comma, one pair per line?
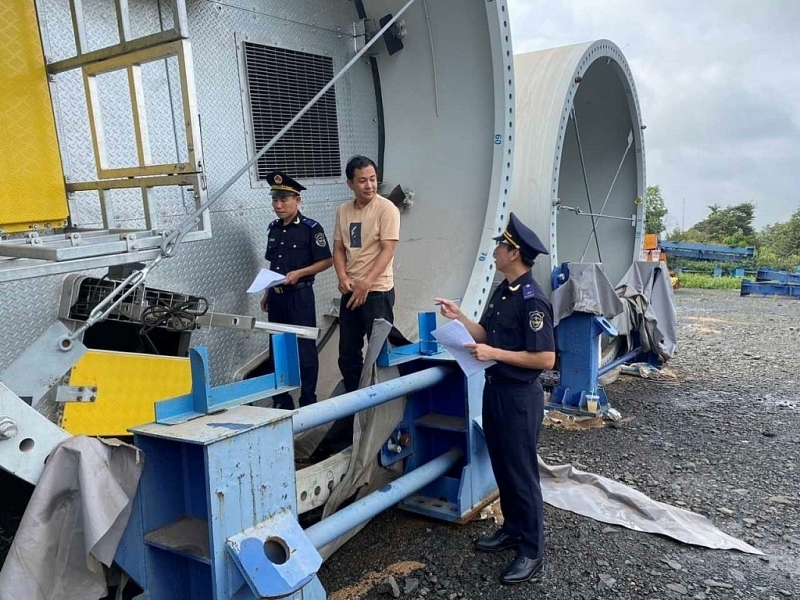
[766,288]
[765,274]
[707,252]
[361,511]
[320,413]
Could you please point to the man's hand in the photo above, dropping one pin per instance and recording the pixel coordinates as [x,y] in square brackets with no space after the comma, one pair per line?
[360,291]
[346,285]
[292,277]
[482,352]
[449,308]
[264,306]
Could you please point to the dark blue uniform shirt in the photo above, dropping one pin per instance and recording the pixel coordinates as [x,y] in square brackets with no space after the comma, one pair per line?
[297,245]
[519,316]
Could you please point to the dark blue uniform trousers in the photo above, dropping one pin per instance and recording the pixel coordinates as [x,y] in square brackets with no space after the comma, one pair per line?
[297,307]
[512,419]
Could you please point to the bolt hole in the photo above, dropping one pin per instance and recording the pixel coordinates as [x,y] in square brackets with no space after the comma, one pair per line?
[317,490]
[330,485]
[26,445]
[303,496]
[276,550]
[66,344]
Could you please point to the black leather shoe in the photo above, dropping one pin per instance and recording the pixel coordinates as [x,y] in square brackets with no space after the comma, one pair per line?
[496,542]
[522,569]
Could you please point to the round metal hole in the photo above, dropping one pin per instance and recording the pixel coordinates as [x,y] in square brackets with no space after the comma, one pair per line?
[276,550]
[303,496]
[26,445]
[317,490]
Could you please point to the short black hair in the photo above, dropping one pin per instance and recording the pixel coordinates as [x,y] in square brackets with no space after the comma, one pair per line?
[358,162]
[528,262]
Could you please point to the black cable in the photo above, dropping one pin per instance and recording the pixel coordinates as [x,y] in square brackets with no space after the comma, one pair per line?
[586,183]
[182,317]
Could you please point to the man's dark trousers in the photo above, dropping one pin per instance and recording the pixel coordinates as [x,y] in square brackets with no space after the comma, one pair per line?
[353,326]
[297,307]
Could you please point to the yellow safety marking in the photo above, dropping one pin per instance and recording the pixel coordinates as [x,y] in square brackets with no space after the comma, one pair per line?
[32,193]
[128,385]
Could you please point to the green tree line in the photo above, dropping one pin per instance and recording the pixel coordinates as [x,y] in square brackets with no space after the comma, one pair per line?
[777,245]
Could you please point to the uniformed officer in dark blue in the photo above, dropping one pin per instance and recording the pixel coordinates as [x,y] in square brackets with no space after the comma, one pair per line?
[516,331]
[297,248]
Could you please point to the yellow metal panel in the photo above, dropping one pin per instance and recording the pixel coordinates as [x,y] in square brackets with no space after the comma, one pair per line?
[32,190]
[127,387]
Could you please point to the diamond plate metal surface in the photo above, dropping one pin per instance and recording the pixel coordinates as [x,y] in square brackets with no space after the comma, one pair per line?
[223,267]
[31,187]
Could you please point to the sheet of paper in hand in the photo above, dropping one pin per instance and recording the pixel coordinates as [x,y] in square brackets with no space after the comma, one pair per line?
[453,336]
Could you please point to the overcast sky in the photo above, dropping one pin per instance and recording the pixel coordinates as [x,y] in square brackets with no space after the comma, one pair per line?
[718,84]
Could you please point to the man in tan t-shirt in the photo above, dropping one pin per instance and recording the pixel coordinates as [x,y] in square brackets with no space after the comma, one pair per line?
[367,230]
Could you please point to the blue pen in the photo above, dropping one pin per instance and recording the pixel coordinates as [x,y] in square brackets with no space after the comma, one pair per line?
[453,300]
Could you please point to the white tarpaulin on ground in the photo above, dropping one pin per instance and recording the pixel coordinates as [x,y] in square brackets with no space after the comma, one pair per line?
[609,501]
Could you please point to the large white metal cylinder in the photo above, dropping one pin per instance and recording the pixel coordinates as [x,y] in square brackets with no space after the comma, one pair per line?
[589,85]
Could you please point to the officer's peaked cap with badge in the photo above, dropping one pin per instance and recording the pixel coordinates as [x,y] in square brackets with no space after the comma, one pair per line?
[281,184]
[520,236]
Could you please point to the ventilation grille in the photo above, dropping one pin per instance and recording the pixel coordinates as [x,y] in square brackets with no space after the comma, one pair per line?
[280,83]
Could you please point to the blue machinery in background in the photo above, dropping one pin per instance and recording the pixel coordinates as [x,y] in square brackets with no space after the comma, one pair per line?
[707,252]
[215,515]
[770,282]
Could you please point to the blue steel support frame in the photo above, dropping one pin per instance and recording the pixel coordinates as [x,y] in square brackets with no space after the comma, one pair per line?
[215,516]
[579,344]
[204,399]
[426,346]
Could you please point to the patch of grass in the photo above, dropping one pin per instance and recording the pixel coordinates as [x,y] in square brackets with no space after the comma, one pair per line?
[707,282]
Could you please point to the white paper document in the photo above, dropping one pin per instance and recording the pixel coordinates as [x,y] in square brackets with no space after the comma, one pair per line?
[453,336]
[265,279]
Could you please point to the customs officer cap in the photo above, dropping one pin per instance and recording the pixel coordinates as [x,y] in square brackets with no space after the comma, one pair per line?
[282,185]
[520,236]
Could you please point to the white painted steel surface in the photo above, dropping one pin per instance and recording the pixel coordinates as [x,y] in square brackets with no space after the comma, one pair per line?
[595,80]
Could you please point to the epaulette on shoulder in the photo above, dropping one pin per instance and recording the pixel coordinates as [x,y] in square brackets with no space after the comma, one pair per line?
[310,222]
[274,223]
[528,291]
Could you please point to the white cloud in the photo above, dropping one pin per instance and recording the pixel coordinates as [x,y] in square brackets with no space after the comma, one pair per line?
[719,86]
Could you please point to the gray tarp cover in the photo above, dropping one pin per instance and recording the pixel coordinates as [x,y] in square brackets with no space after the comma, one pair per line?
[587,290]
[73,522]
[641,302]
[609,501]
[647,290]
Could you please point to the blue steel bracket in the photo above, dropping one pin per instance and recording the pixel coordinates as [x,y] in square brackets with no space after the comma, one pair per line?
[276,557]
[426,346]
[204,399]
[578,341]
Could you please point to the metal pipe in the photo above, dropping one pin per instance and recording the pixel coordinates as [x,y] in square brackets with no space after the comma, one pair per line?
[361,511]
[345,405]
[586,182]
[610,189]
[622,359]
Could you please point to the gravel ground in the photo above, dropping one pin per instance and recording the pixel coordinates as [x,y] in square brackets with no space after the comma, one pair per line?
[723,441]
